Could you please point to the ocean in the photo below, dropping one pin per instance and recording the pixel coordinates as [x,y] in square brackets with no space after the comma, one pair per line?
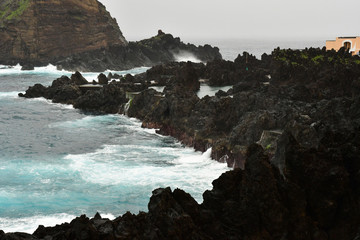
[231,48]
[58,162]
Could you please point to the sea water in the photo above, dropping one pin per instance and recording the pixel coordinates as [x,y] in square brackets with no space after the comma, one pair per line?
[231,48]
[57,162]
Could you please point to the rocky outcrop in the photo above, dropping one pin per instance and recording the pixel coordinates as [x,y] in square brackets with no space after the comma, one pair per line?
[258,103]
[102,98]
[292,137]
[314,196]
[40,32]
[287,86]
[80,36]
[162,48]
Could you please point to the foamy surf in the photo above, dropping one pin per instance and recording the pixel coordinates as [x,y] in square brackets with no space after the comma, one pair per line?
[88,122]
[185,57]
[51,70]
[92,76]
[149,166]
[9,94]
[47,70]
[48,101]
[55,159]
[210,90]
[30,224]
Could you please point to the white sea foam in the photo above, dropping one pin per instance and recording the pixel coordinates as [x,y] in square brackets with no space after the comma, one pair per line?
[90,76]
[48,101]
[158,88]
[88,121]
[210,90]
[52,70]
[30,224]
[9,94]
[185,57]
[134,165]
[49,69]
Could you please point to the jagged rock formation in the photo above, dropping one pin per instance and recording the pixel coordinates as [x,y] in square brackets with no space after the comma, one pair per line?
[41,32]
[285,87]
[162,48]
[299,181]
[79,35]
[103,98]
[317,198]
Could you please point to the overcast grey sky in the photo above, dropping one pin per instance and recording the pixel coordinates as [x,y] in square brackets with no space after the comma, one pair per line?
[250,19]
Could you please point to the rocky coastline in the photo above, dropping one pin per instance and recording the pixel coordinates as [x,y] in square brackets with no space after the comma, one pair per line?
[80,36]
[290,127]
[162,48]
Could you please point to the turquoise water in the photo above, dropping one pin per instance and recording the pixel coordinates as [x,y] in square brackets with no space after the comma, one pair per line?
[57,162]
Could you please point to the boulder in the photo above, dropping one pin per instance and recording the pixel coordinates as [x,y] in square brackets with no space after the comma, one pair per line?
[78,79]
[35,91]
[27,67]
[108,99]
[102,79]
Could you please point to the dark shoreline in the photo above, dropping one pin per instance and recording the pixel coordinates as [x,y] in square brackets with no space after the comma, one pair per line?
[299,181]
[162,48]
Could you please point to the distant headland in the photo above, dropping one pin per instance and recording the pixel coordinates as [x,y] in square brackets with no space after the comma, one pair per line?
[80,35]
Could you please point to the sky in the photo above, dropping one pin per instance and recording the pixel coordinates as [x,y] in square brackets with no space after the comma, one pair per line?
[237,19]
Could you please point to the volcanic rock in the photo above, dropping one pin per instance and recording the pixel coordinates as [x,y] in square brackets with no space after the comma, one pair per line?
[41,32]
[78,79]
[102,79]
[301,183]
[80,36]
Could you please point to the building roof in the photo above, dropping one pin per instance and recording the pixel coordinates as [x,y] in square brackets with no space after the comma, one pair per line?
[347,37]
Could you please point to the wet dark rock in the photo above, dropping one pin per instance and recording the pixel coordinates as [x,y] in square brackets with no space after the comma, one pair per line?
[188,78]
[16,236]
[294,86]
[128,78]
[60,32]
[78,79]
[35,91]
[313,196]
[27,66]
[66,39]
[148,52]
[245,68]
[66,94]
[98,98]
[300,181]
[221,93]
[102,79]
[109,99]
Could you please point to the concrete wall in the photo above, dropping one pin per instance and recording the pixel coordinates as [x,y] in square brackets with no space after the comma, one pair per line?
[340,42]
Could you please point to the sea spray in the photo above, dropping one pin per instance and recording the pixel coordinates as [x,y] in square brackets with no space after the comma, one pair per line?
[57,160]
[185,57]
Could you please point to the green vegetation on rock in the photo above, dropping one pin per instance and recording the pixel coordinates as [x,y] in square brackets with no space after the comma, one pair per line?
[13,9]
[317,59]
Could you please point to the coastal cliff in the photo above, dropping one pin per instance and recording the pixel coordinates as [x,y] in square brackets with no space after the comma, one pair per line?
[40,32]
[80,35]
